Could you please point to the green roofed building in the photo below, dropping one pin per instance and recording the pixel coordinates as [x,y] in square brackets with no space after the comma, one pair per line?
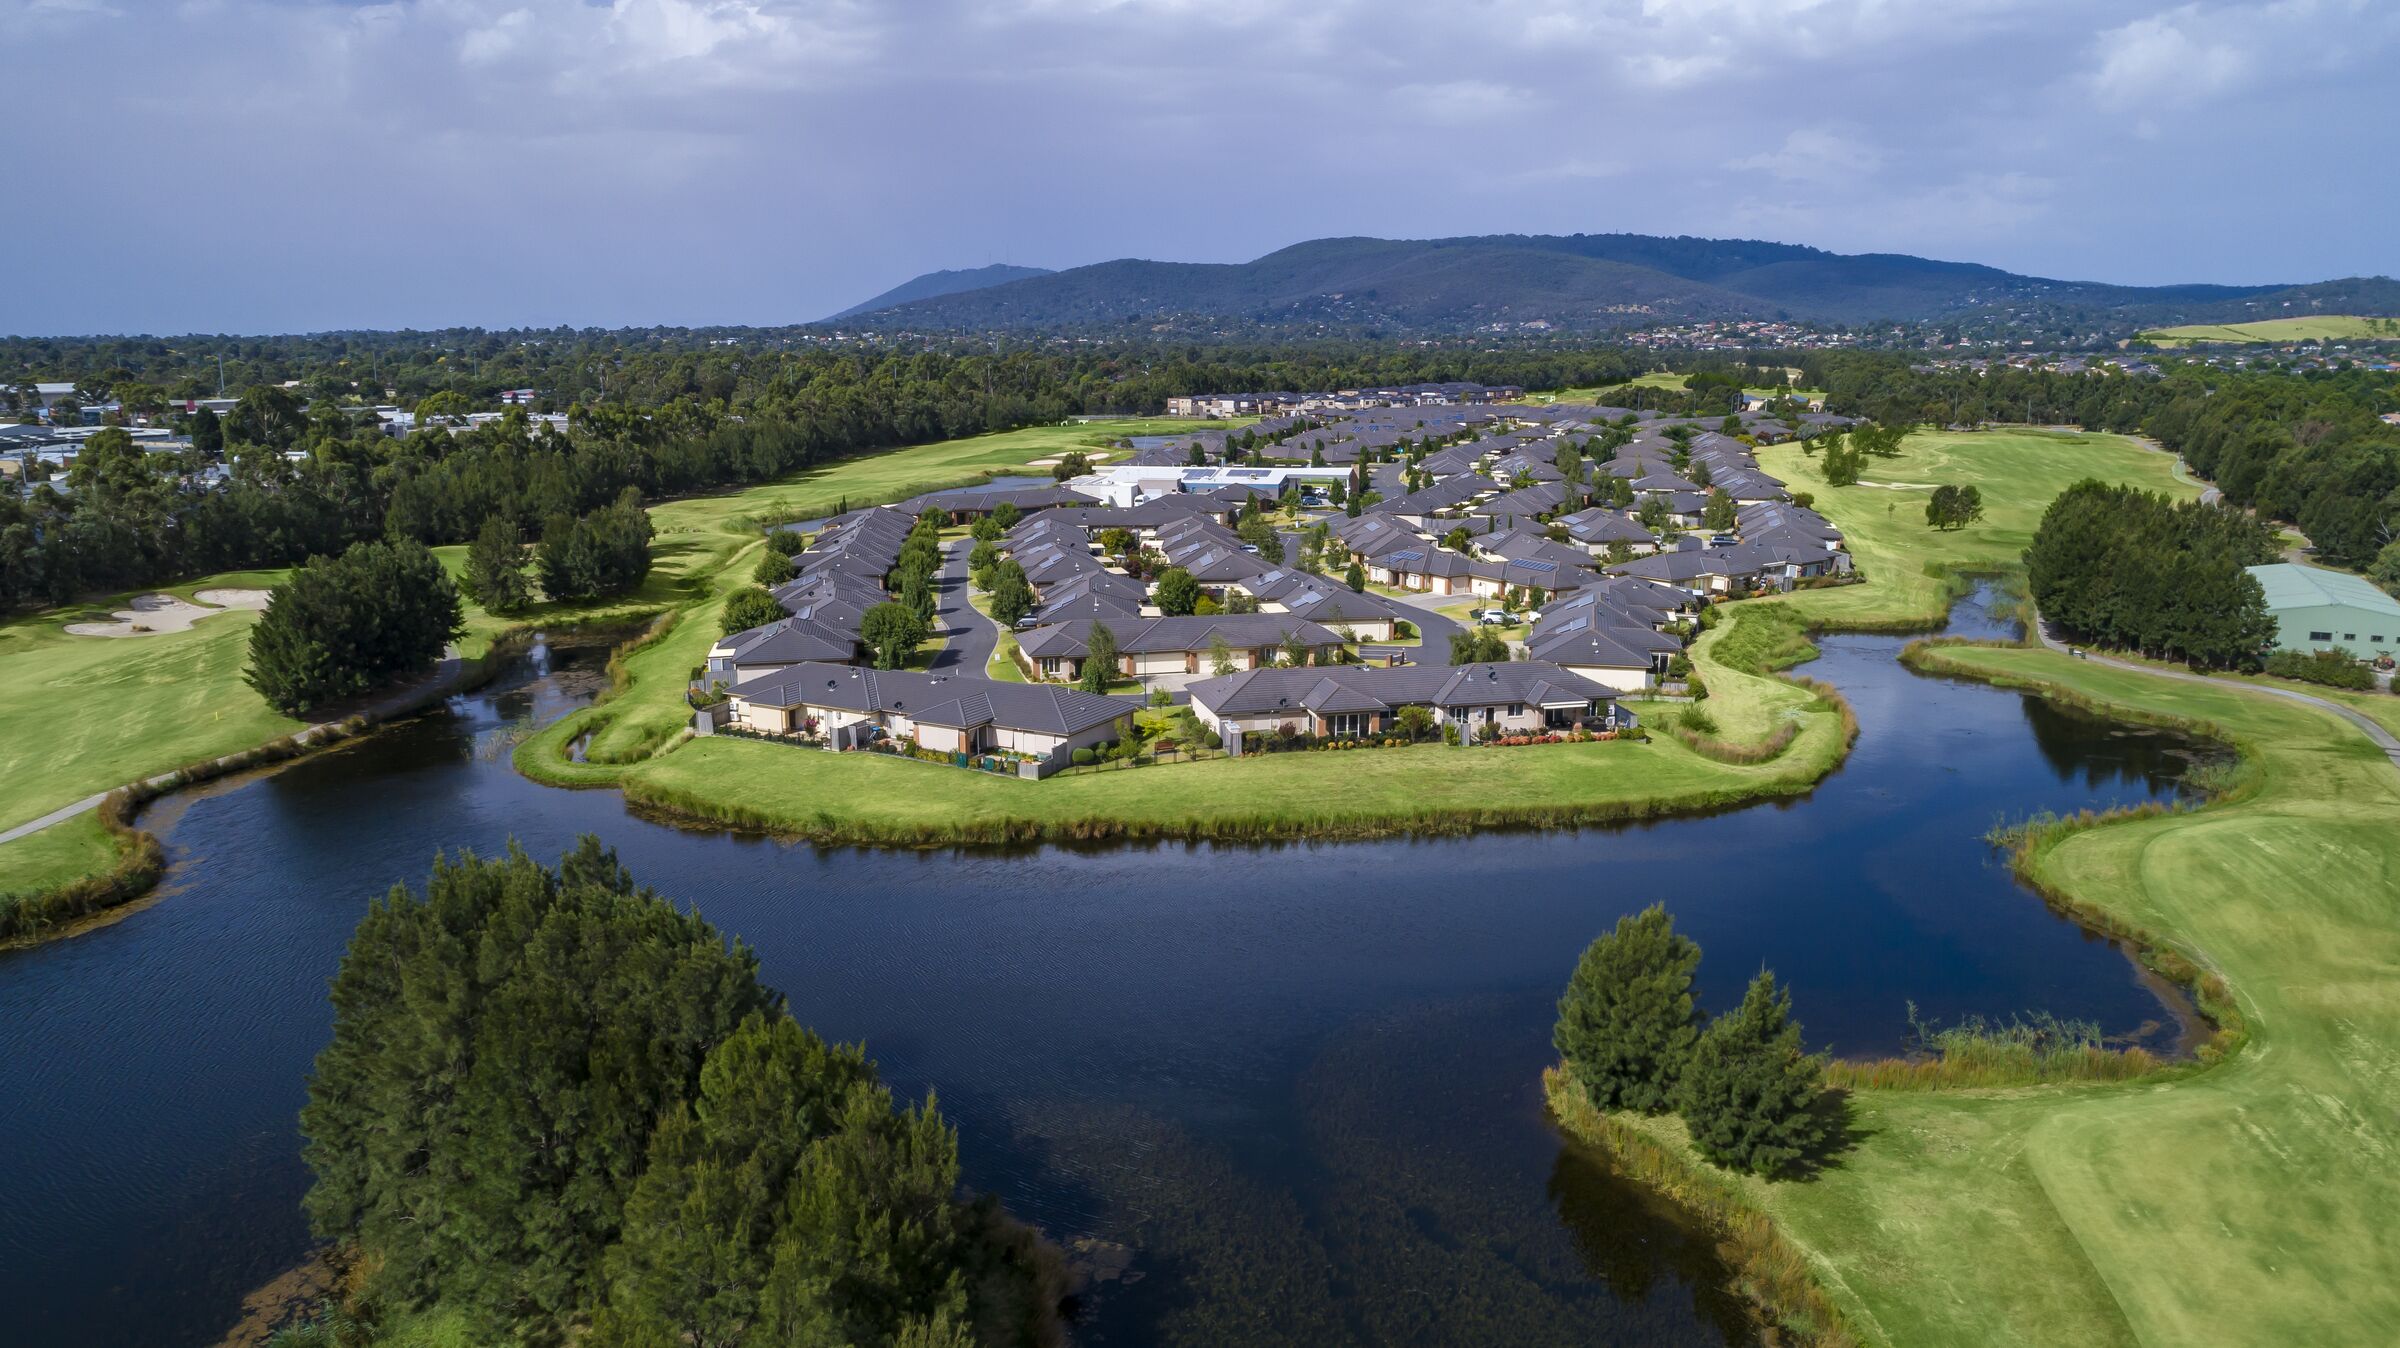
[2317,610]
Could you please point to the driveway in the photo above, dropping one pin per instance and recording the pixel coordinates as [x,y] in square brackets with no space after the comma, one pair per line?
[1435,627]
[973,637]
[2382,738]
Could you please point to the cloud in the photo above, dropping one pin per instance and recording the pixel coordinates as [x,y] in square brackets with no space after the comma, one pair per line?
[1813,155]
[767,160]
[2165,60]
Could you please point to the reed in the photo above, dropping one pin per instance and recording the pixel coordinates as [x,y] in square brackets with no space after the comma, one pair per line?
[2023,1051]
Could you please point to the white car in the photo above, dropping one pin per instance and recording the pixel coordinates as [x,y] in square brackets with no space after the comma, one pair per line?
[1496,617]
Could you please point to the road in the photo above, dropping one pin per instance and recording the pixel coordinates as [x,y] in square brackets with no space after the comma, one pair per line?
[2382,738]
[973,637]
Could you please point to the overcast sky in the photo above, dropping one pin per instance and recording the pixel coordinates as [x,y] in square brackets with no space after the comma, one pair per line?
[279,165]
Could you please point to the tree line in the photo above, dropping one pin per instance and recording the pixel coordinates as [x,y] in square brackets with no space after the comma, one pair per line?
[2307,448]
[2119,566]
[557,1104]
[306,473]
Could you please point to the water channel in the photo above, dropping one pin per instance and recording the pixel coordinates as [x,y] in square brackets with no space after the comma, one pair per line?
[1299,1082]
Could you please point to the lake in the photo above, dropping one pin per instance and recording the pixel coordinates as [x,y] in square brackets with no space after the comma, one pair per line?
[1298,1083]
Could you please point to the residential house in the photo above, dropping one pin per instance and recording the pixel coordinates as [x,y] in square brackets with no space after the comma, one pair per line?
[1512,698]
[1156,648]
[845,706]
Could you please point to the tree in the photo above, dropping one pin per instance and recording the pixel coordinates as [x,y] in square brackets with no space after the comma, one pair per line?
[1072,464]
[774,568]
[1005,515]
[1100,658]
[2385,569]
[1295,648]
[342,625]
[1954,507]
[552,1097]
[1414,721]
[1718,514]
[1220,655]
[1355,578]
[1117,542]
[1627,1022]
[1012,598]
[444,408]
[892,633]
[603,554]
[1178,594]
[1655,514]
[1748,1092]
[986,530]
[1258,533]
[1477,645]
[980,563]
[751,607]
[208,434]
[495,575]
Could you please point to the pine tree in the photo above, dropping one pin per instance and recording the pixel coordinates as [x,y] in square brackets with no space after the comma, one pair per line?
[1627,1023]
[1749,1092]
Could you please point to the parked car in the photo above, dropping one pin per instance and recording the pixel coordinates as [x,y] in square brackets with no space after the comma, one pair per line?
[1496,617]
[1722,540]
[1029,620]
[1314,503]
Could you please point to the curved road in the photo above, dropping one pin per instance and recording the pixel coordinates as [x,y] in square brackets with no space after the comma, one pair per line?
[2381,737]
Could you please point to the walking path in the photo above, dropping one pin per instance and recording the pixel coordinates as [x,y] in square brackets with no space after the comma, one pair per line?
[2382,738]
[396,703]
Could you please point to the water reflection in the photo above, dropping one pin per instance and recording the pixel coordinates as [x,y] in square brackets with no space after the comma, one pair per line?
[1299,1081]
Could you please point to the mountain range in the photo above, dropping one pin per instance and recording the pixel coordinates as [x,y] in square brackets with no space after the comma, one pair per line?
[1573,282]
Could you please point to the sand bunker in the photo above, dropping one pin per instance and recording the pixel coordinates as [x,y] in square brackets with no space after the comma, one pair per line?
[1090,456]
[154,613]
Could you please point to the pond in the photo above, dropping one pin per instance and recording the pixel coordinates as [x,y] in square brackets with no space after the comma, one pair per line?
[1298,1083]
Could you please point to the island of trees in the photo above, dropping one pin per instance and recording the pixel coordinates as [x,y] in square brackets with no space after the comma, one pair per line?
[559,1107]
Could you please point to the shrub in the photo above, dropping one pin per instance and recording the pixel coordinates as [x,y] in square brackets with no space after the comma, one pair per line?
[2336,668]
[1696,719]
[1084,758]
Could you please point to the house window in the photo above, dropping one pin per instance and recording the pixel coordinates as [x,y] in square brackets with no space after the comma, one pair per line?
[2349,636]
[2320,636]
[1516,709]
[1346,723]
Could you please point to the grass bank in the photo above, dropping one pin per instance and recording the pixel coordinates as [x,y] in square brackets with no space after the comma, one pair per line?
[2235,1203]
[1426,789]
[1914,571]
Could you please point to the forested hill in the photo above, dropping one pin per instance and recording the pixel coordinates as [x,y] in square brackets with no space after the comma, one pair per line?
[1585,282]
[935,284]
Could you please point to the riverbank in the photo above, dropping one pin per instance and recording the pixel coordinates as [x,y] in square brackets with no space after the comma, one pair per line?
[1775,736]
[2216,1200]
[83,716]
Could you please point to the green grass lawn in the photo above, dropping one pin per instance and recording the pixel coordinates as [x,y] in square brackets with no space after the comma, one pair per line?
[2246,1204]
[2242,1204]
[865,797]
[82,715]
[2329,326]
[66,851]
[1907,562]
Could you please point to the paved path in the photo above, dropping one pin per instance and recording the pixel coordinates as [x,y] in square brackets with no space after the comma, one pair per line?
[392,704]
[2382,738]
[973,637]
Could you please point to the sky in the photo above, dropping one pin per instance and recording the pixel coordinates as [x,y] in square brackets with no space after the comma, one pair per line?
[295,165]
